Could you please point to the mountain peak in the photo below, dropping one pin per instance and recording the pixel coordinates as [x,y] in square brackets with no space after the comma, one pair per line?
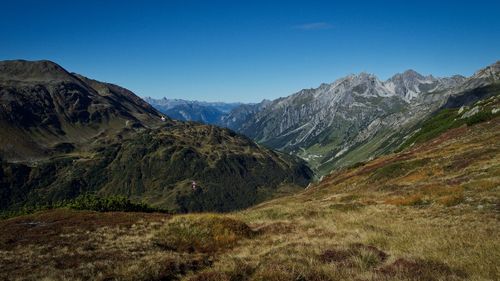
[42,70]
[410,83]
[366,75]
[411,73]
[352,79]
[407,75]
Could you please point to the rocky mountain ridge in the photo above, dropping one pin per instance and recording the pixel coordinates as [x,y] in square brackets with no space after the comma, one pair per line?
[353,119]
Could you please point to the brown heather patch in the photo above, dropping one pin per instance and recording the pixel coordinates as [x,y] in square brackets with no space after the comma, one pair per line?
[340,176]
[44,228]
[464,160]
[355,254]
[161,266]
[210,276]
[276,228]
[384,161]
[440,193]
[450,135]
[79,245]
[436,190]
[357,247]
[456,180]
[451,200]
[277,272]
[410,200]
[415,176]
[335,256]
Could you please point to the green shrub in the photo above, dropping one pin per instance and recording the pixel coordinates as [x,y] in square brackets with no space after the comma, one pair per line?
[449,118]
[93,202]
[479,117]
[88,202]
[434,126]
[398,169]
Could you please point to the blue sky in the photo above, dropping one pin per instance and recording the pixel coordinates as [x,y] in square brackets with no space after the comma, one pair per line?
[249,50]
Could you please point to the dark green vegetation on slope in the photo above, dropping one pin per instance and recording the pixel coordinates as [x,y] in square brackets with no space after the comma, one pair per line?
[455,114]
[87,202]
[157,166]
[63,135]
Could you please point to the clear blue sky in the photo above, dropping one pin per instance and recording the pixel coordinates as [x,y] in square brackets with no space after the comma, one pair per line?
[249,50]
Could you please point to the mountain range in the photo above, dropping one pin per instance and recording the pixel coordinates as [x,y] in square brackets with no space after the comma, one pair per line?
[185,110]
[353,119]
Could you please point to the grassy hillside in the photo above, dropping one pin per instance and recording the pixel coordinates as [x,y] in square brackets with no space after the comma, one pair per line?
[62,134]
[457,112]
[430,212]
[158,167]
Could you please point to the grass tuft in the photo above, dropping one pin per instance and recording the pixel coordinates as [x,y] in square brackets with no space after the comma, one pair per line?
[420,270]
[346,207]
[356,255]
[410,200]
[204,233]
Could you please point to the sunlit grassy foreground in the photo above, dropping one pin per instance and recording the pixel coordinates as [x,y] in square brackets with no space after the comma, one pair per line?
[427,213]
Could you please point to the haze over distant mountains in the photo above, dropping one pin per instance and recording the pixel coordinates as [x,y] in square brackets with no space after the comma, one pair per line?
[353,119]
[186,110]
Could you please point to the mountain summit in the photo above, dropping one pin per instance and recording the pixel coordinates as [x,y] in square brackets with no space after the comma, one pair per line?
[32,71]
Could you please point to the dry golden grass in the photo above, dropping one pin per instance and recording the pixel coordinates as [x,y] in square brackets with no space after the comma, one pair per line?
[435,219]
[204,233]
[432,219]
